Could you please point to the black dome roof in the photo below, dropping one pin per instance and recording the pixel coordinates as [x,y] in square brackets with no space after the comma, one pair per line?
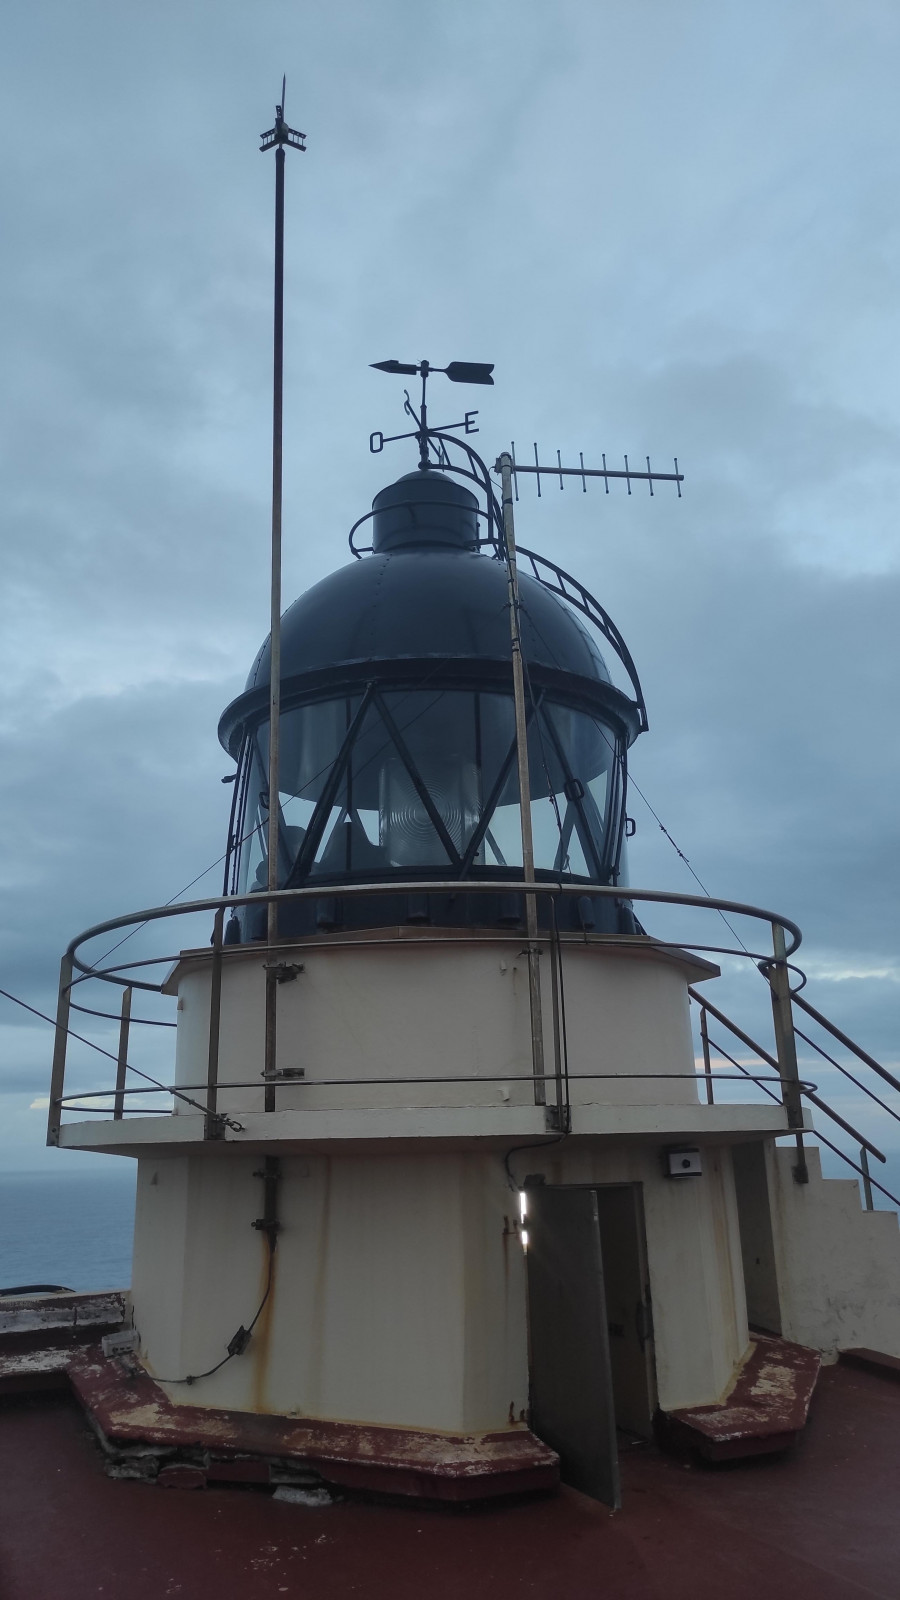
[426,593]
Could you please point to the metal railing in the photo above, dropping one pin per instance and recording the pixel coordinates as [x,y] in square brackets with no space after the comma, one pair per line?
[550,1087]
[866,1147]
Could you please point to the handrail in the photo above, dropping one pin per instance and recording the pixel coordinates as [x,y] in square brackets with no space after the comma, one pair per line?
[866,1176]
[443,886]
[727,1023]
[868,1181]
[848,1074]
[558,1116]
[806,1089]
[835,1031]
[380,1083]
[77,968]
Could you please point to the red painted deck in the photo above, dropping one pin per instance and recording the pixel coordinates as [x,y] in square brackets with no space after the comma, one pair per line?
[821,1522]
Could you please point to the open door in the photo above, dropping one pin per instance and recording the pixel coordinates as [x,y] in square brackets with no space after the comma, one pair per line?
[571,1383]
[629,1319]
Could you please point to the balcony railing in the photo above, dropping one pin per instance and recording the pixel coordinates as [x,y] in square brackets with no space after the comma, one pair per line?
[548,1086]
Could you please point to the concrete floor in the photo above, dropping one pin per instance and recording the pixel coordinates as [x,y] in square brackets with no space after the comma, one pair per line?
[820,1522]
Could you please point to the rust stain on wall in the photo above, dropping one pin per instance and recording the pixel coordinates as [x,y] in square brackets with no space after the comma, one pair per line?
[260,1345]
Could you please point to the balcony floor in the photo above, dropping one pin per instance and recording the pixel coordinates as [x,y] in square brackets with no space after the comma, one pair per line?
[440,1127]
[818,1522]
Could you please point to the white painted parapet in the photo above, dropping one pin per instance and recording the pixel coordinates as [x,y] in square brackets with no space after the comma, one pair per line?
[448,1011]
[837,1266]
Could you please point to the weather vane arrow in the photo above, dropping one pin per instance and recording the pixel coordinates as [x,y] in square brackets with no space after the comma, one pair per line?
[456,371]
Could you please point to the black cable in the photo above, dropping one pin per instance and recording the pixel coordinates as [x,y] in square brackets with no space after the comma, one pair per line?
[536,1144]
[241,1339]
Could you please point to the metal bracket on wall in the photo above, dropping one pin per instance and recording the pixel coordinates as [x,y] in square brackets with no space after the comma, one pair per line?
[284,971]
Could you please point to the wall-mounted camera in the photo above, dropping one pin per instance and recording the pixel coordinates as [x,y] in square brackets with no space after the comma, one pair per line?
[683,1164]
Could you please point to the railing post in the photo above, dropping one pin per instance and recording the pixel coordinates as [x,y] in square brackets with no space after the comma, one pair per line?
[58,1073]
[213,1124]
[563,1111]
[504,466]
[707,1063]
[122,1062]
[786,1045]
[867,1181]
[270,1054]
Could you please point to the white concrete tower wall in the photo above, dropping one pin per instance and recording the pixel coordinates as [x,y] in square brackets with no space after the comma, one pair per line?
[453,1011]
[398,1291]
[399,1287]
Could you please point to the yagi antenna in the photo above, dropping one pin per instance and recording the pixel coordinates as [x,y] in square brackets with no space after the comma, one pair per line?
[629,474]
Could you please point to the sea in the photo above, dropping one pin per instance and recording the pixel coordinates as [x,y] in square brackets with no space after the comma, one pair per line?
[72,1229]
[75,1228]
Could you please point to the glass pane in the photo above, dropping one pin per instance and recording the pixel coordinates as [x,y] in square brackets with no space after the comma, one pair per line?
[459,747]
[252,874]
[456,742]
[347,846]
[408,834]
[588,752]
[503,839]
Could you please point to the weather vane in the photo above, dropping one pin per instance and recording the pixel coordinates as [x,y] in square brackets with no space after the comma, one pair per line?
[457,372]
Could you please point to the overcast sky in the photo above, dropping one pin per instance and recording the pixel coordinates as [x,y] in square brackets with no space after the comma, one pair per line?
[674,230]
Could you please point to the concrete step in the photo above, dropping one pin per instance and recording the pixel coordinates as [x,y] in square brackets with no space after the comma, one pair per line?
[762,1413]
[875,1361]
[40,1334]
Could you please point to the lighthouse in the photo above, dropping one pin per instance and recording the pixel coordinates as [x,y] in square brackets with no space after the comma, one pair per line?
[434,1195]
[441,1200]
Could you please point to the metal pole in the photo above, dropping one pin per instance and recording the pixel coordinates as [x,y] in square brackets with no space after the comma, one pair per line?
[534,974]
[122,1062]
[562,1110]
[274,828]
[213,1127]
[867,1181]
[707,1063]
[786,1045]
[58,1072]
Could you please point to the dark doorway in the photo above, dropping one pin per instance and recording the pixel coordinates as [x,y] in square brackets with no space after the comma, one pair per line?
[751,1187]
[571,1381]
[628,1312]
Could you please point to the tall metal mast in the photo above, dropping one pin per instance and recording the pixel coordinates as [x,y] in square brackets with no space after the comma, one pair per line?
[276,138]
[531,923]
